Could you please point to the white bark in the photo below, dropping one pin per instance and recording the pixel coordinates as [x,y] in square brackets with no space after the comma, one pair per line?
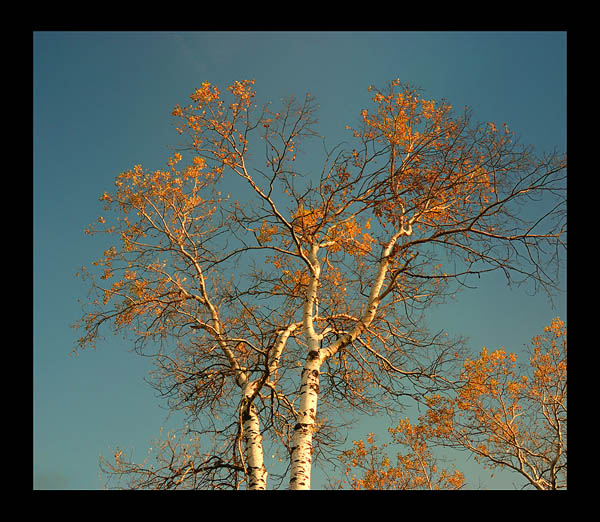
[253,449]
[309,387]
[252,438]
[309,391]
[305,421]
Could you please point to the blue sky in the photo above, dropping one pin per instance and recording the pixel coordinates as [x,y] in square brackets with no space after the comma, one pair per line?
[102,102]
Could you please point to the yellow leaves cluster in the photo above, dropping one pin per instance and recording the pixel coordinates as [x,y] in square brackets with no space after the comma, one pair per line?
[297,281]
[396,116]
[106,261]
[213,126]
[141,191]
[322,223]
[491,384]
[434,165]
[307,220]
[266,232]
[557,328]
[155,210]
[415,467]
[242,92]
[334,280]
[291,281]
[549,362]
[177,157]
[199,162]
[500,415]
[206,93]
[439,416]
[428,108]
[349,237]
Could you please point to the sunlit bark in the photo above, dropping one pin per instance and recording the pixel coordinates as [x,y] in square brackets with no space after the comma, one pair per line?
[255,464]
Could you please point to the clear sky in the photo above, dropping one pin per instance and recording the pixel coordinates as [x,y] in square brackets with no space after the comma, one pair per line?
[102,102]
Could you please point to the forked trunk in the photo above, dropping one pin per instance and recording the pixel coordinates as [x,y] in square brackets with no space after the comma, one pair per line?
[309,385]
[302,449]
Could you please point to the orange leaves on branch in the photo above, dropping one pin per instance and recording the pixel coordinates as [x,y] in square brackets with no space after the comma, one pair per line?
[146,192]
[506,418]
[416,468]
[266,232]
[107,274]
[297,281]
[199,163]
[206,94]
[397,115]
[491,396]
[549,362]
[349,237]
[437,170]
[177,157]
[307,220]
[217,130]
[157,212]
[243,93]
[491,373]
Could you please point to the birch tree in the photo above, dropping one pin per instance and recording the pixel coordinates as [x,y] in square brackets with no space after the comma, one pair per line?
[508,417]
[270,311]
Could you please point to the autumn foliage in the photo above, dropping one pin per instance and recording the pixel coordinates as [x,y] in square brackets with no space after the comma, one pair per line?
[275,288]
[508,417]
[512,417]
[414,468]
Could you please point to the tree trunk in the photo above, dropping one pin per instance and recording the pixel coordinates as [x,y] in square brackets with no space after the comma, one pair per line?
[303,430]
[309,386]
[253,449]
[309,389]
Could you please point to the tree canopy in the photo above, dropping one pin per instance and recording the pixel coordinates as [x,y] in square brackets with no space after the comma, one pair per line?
[270,311]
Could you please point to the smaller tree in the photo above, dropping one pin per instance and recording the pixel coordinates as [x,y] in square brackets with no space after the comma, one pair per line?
[505,419]
[512,421]
[416,468]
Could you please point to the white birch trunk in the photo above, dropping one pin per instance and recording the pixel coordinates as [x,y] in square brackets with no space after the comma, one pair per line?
[252,438]
[309,391]
[303,430]
[309,387]
[253,449]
